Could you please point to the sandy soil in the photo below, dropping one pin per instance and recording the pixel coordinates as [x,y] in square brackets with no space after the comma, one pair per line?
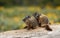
[36,33]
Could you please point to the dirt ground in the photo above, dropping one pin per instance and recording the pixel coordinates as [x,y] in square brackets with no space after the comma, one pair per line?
[36,33]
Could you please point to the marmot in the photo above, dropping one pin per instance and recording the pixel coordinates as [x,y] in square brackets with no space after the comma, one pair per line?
[31,22]
[42,20]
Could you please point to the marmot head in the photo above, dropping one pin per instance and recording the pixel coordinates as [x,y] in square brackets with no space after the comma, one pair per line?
[36,15]
[26,18]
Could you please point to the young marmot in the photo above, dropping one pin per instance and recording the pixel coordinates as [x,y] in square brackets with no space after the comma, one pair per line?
[42,20]
[31,22]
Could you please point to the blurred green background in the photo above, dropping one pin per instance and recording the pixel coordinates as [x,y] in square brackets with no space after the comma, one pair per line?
[13,11]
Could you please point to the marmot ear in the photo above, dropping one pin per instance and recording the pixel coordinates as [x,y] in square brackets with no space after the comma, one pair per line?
[36,15]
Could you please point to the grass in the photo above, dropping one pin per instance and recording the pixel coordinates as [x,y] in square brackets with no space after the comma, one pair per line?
[11,18]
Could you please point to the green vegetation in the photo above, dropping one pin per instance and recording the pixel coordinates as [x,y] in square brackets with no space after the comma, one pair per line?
[11,18]
[13,11]
[41,3]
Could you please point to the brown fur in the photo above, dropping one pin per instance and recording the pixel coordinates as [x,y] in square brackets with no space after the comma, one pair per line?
[31,23]
[42,20]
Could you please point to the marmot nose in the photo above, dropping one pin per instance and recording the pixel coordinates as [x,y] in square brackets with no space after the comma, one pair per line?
[24,20]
